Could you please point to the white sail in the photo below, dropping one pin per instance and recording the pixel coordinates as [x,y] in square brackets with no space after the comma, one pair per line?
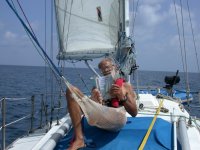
[87,28]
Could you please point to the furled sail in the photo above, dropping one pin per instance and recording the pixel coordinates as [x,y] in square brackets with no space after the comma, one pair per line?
[87,29]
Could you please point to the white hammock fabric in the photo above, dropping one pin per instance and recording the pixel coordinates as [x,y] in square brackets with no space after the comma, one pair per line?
[104,117]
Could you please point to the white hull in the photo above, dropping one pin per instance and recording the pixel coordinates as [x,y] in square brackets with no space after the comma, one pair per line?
[40,140]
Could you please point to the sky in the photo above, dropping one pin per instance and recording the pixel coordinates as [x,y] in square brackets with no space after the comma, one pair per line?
[155,34]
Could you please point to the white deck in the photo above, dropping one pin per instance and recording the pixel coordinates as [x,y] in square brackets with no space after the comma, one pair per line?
[36,140]
[150,103]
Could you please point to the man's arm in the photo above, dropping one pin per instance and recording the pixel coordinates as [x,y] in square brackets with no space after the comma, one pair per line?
[130,103]
[96,95]
[125,92]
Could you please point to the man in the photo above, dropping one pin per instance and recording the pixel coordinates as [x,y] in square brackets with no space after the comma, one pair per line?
[95,109]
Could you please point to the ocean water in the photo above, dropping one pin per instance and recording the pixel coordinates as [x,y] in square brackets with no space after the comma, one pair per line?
[24,82]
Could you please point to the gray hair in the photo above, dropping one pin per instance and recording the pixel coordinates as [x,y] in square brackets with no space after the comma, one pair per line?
[107,60]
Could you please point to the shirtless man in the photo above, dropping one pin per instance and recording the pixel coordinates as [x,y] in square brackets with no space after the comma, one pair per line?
[124,94]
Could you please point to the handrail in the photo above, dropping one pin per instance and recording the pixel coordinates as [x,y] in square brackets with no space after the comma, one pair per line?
[32,112]
[24,117]
[1,99]
[44,108]
[17,120]
[15,99]
[3,124]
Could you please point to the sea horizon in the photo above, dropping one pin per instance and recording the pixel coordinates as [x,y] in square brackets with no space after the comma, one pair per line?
[80,67]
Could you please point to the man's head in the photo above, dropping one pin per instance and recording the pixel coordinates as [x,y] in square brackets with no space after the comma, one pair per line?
[106,66]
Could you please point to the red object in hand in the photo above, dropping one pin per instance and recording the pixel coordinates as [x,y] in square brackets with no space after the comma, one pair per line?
[115,101]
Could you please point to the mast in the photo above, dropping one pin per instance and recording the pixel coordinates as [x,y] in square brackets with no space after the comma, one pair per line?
[125,55]
[121,33]
[126,20]
[124,16]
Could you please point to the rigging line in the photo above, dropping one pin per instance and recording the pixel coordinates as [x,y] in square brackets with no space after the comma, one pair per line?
[179,35]
[64,19]
[69,24]
[180,42]
[64,66]
[81,78]
[51,49]
[59,80]
[137,82]
[192,29]
[52,65]
[45,60]
[72,89]
[136,75]
[32,31]
[181,51]
[57,26]
[38,50]
[184,43]
[13,5]
[45,46]
[134,17]
[117,50]
[26,18]
[63,72]
[49,61]
[51,72]
[35,46]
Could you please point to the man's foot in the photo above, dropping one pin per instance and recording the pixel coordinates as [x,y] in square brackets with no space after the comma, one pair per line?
[76,144]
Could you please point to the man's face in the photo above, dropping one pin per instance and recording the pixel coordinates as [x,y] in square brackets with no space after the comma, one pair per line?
[106,68]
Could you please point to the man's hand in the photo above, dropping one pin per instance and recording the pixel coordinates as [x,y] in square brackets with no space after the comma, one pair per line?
[117,91]
[96,96]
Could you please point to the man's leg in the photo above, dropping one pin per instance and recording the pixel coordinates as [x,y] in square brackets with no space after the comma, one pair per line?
[75,114]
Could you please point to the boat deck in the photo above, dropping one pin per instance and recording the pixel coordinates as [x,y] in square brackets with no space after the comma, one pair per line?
[130,137]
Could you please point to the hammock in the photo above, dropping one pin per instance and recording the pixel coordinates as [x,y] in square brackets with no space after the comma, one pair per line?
[101,116]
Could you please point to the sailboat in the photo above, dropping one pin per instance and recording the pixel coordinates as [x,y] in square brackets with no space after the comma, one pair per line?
[90,29]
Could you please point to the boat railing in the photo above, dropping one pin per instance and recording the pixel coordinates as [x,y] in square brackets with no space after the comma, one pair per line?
[162,90]
[43,111]
[150,88]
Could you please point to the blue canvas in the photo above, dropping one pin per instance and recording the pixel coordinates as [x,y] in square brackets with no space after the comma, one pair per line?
[129,138]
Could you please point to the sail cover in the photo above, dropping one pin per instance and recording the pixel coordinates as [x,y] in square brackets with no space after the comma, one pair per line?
[87,29]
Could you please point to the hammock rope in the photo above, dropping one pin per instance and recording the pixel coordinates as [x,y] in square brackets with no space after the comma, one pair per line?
[43,53]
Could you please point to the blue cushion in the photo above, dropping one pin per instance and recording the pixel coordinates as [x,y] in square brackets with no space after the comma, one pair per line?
[128,138]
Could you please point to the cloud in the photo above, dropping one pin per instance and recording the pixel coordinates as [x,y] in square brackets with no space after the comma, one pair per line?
[182,15]
[148,20]
[14,40]
[153,13]
[150,14]
[160,20]
[10,35]
[156,35]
